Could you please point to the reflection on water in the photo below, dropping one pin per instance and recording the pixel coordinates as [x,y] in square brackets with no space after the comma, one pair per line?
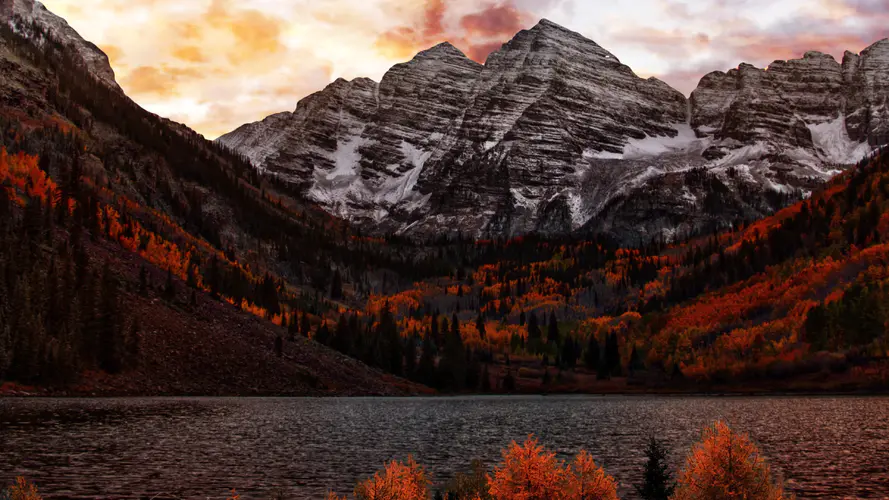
[197,448]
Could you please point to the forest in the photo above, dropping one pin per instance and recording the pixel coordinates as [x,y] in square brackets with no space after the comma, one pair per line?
[796,301]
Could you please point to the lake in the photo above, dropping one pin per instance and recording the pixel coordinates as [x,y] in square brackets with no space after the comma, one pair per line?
[824,447]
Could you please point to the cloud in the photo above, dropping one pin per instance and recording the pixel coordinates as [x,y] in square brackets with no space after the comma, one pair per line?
[725,34]
[477,31]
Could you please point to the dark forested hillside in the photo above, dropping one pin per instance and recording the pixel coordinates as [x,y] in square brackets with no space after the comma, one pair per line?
[92,180]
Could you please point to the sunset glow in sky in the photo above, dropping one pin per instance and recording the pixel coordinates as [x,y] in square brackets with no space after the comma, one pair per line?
[216,64]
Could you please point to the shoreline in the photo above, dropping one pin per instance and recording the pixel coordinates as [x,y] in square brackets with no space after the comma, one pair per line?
[61,394]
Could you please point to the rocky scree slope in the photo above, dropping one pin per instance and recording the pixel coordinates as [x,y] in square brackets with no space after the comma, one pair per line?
[553,134]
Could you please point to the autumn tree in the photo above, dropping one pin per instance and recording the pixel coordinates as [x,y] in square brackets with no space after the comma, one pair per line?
[21,490]
[528,472]
[587,481]
[399,481]
[726,466]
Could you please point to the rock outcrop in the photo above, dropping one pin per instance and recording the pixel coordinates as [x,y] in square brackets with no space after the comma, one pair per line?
[812,111]
[21,14]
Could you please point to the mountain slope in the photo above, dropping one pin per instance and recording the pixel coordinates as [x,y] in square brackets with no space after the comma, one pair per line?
[553,134]
[184,262]
[794,301]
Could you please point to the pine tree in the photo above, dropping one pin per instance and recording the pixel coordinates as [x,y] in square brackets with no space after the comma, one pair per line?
[592,355]
[480,326]
[170,288]
[336,286]
[109,326]
[279,346]
[410,357]
[486,379]
[304,326]
[426,367]
[657,482]
[143,281]
[553,330]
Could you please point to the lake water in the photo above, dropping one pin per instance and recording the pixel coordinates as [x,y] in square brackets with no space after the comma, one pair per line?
[825,447]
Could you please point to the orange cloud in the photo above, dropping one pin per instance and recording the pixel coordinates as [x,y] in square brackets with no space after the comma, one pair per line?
[114,53]
[149,80]
[189,53]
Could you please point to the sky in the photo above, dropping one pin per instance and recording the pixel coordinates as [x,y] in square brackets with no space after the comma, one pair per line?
[217,64]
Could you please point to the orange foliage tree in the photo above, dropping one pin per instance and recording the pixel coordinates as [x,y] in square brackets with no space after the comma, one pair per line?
[529,472]
[587,481]
[726,466]
[400,481]
[21,490]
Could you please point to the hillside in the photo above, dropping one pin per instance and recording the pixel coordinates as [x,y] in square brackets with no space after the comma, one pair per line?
[121,199]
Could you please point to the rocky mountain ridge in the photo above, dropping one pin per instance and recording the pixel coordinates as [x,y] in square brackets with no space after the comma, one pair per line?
[23,15]
[554,134]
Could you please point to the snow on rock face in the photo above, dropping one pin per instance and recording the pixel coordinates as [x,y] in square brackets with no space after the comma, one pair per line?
[554,134]
[359,147]
[20,13]
[812,109]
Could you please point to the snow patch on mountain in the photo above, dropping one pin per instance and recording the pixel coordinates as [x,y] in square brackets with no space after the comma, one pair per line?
[649,146]
[835,146]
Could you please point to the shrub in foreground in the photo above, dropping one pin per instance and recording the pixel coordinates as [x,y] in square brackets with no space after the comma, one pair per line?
[21,490]
[726,466]
[399,481]
[529,472]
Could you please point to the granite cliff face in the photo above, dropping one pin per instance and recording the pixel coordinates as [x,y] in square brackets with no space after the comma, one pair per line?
[22,15]
[812,111]
[553,134]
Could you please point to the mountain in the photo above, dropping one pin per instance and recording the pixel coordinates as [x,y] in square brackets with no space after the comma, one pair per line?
[141,259]
[553,135]
[26,15]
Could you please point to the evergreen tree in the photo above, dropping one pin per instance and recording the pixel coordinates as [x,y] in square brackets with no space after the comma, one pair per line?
[304,326]
[553,330]
[486,379]
[170,288]
[279,346]
[410,357]
[533,328]
[109,327]
[480,326]
[426,367]
[612,355]
[336,286]
[657,482]
[592,354]
[143,281]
